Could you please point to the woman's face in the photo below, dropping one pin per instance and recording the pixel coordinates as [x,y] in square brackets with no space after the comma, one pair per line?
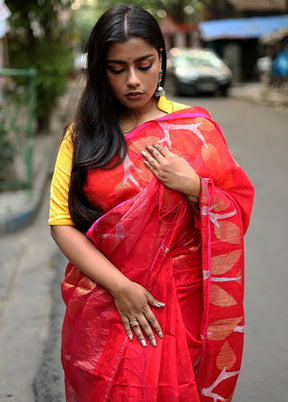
[133,72]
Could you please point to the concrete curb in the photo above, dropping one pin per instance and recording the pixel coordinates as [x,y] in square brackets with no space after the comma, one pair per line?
[50,368]
[25,215]
[260,94]
[45,147]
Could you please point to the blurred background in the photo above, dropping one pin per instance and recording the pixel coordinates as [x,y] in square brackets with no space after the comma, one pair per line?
[228,56]
[50,37]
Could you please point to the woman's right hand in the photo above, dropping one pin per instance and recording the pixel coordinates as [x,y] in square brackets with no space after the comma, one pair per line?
[133,304]
[132,300]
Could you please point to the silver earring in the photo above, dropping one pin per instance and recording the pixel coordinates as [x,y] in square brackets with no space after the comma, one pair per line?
[159,90]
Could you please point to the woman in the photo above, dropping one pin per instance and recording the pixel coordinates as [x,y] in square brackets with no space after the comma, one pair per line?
[150,209]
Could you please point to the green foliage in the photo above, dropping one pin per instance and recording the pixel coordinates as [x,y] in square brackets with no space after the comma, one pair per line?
[46,14]
[41,37]
[182,11]
[7,151]
[175,8]
[85,18]
[52,61]
[151,5]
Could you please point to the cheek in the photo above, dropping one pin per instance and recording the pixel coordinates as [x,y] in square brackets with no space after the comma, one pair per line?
[154,79]
[157,71]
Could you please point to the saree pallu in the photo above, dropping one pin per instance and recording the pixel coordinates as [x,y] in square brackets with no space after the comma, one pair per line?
[144,226]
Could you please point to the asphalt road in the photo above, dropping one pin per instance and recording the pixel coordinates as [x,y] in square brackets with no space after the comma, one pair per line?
[257,137]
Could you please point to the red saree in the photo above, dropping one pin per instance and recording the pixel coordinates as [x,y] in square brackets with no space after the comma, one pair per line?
[144,227]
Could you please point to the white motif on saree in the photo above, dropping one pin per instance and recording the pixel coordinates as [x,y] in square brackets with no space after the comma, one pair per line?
[215,217]
[166,126]
[127,164]
[224,375]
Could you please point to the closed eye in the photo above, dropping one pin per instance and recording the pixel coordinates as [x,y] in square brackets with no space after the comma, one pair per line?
[114,71]
[145,67]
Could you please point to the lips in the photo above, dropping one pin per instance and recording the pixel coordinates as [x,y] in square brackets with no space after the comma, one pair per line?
[134,95]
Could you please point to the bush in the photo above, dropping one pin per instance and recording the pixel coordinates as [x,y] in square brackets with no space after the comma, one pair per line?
[53,62]
[7,151]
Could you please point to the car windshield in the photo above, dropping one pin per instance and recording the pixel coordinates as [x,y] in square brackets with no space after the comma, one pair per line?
[197,60]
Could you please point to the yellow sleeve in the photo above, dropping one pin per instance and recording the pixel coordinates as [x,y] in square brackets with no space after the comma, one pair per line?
[59,210]
[170,106]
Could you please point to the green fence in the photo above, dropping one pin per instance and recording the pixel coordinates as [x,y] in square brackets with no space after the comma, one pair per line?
[17,127]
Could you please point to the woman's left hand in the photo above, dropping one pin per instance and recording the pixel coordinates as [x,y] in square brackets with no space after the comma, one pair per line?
[172,170]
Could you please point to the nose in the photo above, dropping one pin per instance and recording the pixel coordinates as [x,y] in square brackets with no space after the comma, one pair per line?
[132,78]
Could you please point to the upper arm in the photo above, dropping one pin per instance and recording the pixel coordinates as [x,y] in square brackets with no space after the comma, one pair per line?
[59,190]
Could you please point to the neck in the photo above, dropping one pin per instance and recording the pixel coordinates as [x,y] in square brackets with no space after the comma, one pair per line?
[133,118]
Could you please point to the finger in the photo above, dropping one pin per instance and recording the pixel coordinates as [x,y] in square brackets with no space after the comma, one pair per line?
[149,158]
[150,167]
[155,152]
[154,323]
[151,317]
[128,329]
[153,302]
[148,331]
[163,150]
[137,330]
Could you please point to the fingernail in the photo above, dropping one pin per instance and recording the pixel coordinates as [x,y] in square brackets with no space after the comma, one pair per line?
[144,153]
[160,334]
[143,342]
[161,304]
[153,343]
[130,336]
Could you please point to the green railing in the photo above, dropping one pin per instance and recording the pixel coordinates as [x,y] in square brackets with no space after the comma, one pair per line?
[17,127]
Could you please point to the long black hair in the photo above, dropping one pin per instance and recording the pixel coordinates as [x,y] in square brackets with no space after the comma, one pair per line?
[97,137]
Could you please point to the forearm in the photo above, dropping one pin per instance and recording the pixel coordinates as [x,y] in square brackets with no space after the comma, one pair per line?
[131,299]
[85,256]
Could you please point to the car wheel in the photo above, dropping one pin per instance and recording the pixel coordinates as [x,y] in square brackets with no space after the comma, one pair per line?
[224,92]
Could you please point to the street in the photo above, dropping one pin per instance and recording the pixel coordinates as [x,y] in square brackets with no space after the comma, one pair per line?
[33,268]
[258,139]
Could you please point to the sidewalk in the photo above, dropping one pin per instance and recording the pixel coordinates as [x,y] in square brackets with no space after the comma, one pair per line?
[260,93]
[28,278]
[19,208]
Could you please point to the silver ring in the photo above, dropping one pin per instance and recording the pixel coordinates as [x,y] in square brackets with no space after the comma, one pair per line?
[133,322]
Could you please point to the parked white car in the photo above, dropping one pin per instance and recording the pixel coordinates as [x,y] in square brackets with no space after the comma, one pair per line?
[192,71]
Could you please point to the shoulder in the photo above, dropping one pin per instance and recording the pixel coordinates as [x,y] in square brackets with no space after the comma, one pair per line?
[67,140]
[68,133]
[169,106]
[66,148]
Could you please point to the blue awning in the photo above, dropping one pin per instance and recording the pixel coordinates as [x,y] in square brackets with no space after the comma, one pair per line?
[241,28]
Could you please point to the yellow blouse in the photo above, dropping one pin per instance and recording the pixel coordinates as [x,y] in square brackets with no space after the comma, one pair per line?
[59,210]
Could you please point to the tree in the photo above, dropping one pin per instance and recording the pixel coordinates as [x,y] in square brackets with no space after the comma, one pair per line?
[85,18]
[40,37]
[181,10]
[172,7]
[219,9]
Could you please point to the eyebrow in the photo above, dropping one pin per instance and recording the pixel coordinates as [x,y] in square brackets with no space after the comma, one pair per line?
[136,60]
